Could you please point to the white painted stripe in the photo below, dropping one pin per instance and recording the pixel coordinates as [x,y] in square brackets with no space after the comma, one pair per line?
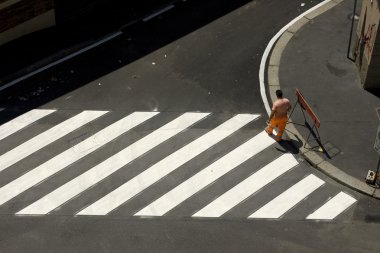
[268,49]
[22,121]
[333,207]
[247,187]
[30,74]
[47,137]
[159,12]
[112,164]
[72,155]
[207,176]
[159,170]
[288,199]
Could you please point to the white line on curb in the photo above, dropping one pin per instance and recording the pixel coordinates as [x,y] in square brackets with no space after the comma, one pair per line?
[269,48]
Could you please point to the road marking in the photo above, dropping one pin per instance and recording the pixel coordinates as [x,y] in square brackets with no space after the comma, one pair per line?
[112,164]
[333,207]
[288,199]
[208,175]
[30,74]
[159,12]
[22,121]
[247,187]
[159,170]
[72,155]
[47,137]
[268,49]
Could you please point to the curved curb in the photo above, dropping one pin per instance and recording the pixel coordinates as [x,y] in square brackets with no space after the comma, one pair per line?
[273,84]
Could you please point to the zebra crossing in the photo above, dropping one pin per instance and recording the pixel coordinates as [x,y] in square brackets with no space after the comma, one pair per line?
[153,164]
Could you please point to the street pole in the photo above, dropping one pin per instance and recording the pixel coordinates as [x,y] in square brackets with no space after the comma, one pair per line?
[352,28]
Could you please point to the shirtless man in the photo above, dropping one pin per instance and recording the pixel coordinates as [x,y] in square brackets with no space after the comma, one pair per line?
[279,115]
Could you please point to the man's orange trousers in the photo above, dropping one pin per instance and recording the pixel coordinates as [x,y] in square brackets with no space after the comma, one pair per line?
[277,122]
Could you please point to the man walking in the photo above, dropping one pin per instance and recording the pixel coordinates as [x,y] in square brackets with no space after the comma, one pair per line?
[278,117]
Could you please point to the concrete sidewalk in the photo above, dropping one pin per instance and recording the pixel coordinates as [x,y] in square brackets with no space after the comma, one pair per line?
[312,56]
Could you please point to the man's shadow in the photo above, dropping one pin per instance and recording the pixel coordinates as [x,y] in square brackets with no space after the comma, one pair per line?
[290,145]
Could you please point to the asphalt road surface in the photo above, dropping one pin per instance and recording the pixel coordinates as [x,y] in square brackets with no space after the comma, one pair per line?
[154,142]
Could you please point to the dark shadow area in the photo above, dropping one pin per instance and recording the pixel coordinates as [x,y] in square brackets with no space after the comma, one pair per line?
[137,40]
[372,218]
[289,146]
[78,23]
[375,92]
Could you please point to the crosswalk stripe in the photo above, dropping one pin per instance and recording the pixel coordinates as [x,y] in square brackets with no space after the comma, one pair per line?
[22,121]
[112,164]
[47,137]
[72,155]
[288,199]
[247,187]
[208,175]
[165,166]
[333,207]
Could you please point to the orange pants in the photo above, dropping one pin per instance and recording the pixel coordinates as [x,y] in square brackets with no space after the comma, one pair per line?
[277,122]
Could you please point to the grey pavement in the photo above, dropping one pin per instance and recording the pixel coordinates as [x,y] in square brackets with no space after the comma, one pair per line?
[225,84]
[313,58]
[199,76]
[66,234]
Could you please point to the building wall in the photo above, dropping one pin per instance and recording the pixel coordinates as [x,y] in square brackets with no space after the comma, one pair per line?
[367,49]
[20,17]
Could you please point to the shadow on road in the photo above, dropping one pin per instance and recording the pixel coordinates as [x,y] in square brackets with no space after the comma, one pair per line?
[136,41]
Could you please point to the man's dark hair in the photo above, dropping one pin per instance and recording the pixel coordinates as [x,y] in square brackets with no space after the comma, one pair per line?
[279,93]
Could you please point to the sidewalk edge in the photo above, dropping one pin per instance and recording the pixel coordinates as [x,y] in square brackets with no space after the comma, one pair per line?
[311,156]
